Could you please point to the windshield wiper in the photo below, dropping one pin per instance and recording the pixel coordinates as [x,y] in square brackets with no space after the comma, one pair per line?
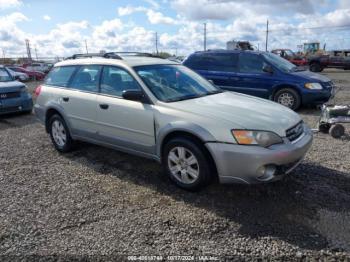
[298,69]
[185,98]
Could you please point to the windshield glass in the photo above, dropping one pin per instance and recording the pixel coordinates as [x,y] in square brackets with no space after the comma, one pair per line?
[4,76]
[279,62]
[171,83]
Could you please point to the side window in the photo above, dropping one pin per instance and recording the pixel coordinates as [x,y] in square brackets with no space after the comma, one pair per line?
[250,63]
[226,62]
[59,76]
[196,62]
[115,80]
[87,78]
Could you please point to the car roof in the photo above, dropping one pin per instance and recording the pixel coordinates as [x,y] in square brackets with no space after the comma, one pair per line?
[223,51]
[127,60]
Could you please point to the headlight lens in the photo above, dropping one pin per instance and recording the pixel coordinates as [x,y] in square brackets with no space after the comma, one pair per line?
[24,89]
[313,86]
[252,137]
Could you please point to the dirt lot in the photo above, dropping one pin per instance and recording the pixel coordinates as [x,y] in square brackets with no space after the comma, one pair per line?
[97,202]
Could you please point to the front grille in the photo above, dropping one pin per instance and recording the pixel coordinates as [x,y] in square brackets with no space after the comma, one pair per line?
[9,95]
[295,132]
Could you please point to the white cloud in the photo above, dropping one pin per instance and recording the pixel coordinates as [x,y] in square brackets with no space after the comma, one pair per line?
[47,17]
[159,18]
[128,10]
[5,4]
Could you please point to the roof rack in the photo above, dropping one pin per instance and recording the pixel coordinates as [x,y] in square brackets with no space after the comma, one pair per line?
[91,55]
[112,55]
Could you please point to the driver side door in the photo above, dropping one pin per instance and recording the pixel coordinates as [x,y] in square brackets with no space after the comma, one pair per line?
[123,123]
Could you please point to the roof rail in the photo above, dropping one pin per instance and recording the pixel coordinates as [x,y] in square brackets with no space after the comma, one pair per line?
[91,55]
[133,54]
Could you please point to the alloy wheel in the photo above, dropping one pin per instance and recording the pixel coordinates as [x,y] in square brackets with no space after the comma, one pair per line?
[59,133]
[183,165]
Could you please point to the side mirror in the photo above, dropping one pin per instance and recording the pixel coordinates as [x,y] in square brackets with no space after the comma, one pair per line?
[267,69]
[134,95]
[16,77]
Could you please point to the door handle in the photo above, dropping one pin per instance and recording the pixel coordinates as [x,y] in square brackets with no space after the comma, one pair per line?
[104,106]
[65,99]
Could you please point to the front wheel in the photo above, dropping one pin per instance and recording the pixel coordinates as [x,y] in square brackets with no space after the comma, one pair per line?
[59,134]
[186,164]
[288,97]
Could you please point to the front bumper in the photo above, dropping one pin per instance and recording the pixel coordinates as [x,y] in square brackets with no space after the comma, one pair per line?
[243,164]
[13,105]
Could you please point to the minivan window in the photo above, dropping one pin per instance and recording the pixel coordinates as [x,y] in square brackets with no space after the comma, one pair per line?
[224,62]
[87,78]
[197,62]
[59,76]
[250,63]
[115,80]
[279,62]
[170,83]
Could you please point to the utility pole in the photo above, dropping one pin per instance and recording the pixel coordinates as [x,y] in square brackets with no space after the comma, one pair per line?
[86,47]
[3,54]
[157,43]
[36,53]
[205,36]
[267,34]
[29,55]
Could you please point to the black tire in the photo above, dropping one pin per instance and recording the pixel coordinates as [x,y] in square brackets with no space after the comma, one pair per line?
[315,67]
[295,104]
[337,131]
[204,167]
[324,128]
[68,144]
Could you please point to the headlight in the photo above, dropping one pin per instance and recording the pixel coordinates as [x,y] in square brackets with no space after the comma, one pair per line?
[24,89]
[313,86]
[252,137]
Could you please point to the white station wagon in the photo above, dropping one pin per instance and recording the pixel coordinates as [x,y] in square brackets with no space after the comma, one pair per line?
[162,110]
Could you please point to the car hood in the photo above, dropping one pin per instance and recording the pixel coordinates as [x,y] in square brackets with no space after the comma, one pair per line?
[241,112]
[310,76]
[11,86]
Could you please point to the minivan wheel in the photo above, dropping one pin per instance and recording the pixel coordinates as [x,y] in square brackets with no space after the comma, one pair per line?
[59,134]
[186,164]
[315,67]
[288,97]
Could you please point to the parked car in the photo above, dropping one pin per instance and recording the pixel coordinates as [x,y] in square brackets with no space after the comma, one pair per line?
[14,96]
[18,75]
[264,75]
[41,67]
[162,110]
[291,57]
[335,59]
[34,75]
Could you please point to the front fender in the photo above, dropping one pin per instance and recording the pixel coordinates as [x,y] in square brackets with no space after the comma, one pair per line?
[181,126]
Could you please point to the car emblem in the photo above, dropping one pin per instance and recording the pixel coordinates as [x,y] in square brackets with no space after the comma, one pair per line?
[3,95]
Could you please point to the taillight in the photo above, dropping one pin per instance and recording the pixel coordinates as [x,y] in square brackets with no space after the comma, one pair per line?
[37,91]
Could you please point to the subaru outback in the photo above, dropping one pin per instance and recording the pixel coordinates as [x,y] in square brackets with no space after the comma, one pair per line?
[162,110]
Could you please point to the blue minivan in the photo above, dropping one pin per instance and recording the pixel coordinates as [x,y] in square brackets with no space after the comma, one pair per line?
[262,74]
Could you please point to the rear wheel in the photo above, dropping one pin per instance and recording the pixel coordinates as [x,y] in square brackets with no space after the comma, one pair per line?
[288,97]
[337,131]
[186,164]
[59,134]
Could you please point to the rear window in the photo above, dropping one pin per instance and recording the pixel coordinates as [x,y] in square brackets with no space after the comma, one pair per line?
[223,62]
[60,76]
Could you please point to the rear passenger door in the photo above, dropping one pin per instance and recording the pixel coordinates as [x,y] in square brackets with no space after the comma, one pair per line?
[221,68]
[123,123]
[79,100]
[252,80]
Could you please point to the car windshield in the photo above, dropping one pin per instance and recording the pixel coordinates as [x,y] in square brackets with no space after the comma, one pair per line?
[279,62]
[5,76]
[170,83]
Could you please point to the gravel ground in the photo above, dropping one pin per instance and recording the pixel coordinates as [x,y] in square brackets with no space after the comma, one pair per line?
[100,203]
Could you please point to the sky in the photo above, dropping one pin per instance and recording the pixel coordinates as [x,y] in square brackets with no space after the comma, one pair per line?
[62,27]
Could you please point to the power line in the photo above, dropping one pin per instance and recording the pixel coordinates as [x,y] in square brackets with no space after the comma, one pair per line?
[337,27]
